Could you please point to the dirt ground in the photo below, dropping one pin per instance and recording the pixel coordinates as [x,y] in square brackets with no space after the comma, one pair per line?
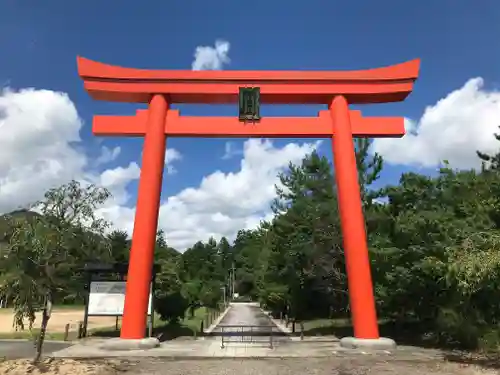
[311,366]
[60,367]
[58,320]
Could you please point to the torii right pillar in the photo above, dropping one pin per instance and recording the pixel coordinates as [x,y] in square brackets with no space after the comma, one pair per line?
[362,301]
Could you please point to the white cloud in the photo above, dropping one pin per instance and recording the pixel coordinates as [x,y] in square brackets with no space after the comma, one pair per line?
[223,203]
[211,58]
[171,155]
[40,148]
[230,151]
[107,155]
[452,129]
[116,181]
[38,128]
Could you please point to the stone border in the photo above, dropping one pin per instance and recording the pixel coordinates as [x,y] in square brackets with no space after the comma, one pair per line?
[278,323]
[216,322]
[282,327]
[336,352]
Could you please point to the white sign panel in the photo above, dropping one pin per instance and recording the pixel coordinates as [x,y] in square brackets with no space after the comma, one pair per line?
[108,298]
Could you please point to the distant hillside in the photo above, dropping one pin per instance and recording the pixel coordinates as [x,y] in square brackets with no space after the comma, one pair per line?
[19,215]
[170,251]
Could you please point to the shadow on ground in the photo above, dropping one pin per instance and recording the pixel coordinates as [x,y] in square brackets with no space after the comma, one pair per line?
[407,333]
[488,360]
[414,334]
[14,349]
[163,333]
[247,332]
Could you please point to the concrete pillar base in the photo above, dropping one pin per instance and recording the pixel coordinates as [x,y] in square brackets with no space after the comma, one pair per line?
[381,343]
[130,344]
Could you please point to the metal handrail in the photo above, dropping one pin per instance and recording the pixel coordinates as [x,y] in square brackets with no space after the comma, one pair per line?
[246,331]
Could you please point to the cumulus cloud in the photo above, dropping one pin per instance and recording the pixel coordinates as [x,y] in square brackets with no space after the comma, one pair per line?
[107,155]
[171,155]
[223,203]
[116,181]
[230,151]
[211,58]
[38,130]
[453,129]
[40,148]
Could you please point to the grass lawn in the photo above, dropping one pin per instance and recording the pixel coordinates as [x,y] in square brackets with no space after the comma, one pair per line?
[188,327]
[324,327]
[325,324]
[339,327]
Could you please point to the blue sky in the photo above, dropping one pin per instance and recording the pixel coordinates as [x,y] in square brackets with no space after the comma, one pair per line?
[456,41]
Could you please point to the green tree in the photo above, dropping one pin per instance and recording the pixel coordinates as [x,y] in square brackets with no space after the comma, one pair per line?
[491,162]
[369,169]
[119,246]
[42,252]
[169,302]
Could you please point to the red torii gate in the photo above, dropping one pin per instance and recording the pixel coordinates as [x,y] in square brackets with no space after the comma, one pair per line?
[160,88]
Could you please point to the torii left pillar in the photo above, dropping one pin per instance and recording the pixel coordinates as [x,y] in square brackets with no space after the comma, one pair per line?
[145,222]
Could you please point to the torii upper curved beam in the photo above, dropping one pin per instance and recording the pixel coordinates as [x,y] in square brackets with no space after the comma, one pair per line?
[118,84]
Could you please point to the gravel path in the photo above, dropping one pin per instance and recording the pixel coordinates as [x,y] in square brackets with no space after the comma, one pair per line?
[306,366]
[309,366]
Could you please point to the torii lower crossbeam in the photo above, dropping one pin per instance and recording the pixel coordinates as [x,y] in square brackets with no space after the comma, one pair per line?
[230,127]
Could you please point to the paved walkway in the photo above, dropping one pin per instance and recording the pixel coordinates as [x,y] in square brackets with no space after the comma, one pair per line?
[13,349]
[247,323]
[246,319]
[246,314]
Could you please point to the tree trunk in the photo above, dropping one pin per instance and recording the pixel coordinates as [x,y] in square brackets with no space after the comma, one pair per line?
[45,320]
[41,337]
